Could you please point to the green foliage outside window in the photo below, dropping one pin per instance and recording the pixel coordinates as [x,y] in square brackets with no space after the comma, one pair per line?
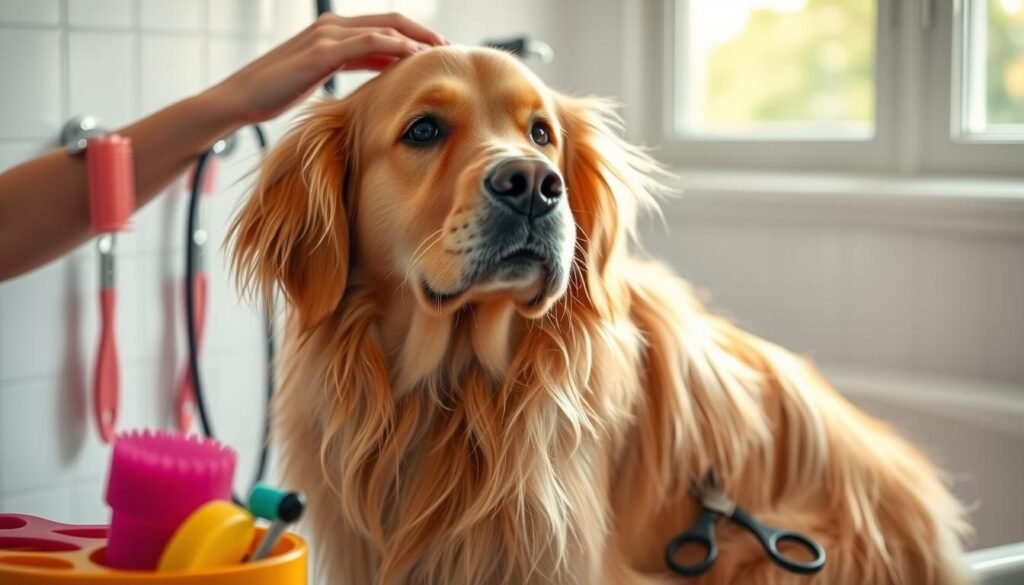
[817,65]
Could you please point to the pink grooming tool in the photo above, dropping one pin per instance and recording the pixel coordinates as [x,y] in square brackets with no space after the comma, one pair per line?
[67,546]
[157,479]
[110,167]
[111,176]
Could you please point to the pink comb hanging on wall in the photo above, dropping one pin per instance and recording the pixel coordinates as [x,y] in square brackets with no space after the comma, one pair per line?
[111,176]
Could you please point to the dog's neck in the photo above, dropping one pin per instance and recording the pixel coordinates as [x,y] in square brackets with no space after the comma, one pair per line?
[420,344]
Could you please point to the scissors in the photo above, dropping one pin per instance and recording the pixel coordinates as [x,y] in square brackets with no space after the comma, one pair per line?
[715,503]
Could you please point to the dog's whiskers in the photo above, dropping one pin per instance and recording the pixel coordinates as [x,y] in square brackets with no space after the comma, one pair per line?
[422,250]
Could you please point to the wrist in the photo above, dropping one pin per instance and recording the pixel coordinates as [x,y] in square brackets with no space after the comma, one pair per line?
[216,112]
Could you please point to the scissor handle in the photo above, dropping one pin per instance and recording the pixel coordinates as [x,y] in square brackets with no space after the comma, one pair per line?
[702,533]
[771,537]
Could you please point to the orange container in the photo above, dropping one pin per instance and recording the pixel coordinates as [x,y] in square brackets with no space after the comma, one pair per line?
[34,551]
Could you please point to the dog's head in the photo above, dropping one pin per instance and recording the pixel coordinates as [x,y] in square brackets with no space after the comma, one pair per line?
[457,175]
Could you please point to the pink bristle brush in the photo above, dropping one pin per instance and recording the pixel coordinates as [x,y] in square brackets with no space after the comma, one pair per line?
[157,479]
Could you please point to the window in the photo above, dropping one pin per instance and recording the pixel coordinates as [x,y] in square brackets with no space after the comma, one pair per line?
[993,70]
[812,63]
[875,86]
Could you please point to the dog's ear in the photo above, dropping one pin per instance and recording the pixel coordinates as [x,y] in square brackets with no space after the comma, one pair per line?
[607,181]
[293,232]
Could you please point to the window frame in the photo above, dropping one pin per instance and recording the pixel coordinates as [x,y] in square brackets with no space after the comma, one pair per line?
[918,67]
[945,148]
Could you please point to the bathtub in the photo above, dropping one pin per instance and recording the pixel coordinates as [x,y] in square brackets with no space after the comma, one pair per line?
[975,431]
[999,565]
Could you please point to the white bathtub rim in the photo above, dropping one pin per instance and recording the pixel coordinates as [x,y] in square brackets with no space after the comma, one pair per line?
[998,561]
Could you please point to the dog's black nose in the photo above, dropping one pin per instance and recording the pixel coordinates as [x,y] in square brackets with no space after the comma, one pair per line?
[529,186]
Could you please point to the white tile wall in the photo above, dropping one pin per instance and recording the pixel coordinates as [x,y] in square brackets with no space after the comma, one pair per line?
[118,60]
[102,78]
[49,502]
[949,283]
[13,153]
[880,336]
[1004,347]
[239,16]
[33,12]
[935,303]
[46,319]
[171,15]
[173,67]
[290,17]
[30,65]
[101,13]
[227,54]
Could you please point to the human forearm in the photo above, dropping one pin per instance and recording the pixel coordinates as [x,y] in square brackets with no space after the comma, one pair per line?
[166,143]
[44,203]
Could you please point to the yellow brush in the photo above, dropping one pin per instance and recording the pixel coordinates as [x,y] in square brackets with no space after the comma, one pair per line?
[215,535]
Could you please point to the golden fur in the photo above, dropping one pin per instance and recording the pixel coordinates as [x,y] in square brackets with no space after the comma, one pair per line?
[497,441]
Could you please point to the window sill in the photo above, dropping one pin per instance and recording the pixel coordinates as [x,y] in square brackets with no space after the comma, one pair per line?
[958,203]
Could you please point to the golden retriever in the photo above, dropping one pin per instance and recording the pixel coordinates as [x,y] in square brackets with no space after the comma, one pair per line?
[483,383]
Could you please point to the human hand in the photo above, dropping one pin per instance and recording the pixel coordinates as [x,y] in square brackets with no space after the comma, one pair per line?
[291,71]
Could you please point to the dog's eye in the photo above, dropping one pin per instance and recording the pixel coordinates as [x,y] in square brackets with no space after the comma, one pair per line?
[540,134]
[423,131]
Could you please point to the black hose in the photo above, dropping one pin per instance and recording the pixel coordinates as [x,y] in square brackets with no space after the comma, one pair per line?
[268,330]
[190,324]
[323,7]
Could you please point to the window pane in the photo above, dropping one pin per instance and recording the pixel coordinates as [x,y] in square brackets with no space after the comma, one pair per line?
[776,68]
[994,75]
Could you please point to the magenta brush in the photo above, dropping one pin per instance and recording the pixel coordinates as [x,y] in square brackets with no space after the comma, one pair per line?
[158,478]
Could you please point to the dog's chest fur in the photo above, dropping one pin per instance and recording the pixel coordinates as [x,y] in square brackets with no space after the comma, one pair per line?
[468,477]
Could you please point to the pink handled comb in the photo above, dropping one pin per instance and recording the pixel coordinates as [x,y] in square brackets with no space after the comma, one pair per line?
[157,479]
[111,176]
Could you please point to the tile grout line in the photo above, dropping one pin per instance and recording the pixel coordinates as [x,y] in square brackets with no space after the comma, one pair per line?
[39,141]
[138,362]
[204,38]
[65,64]
[64,84]
[137,60]
[135,27]
[29,26]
